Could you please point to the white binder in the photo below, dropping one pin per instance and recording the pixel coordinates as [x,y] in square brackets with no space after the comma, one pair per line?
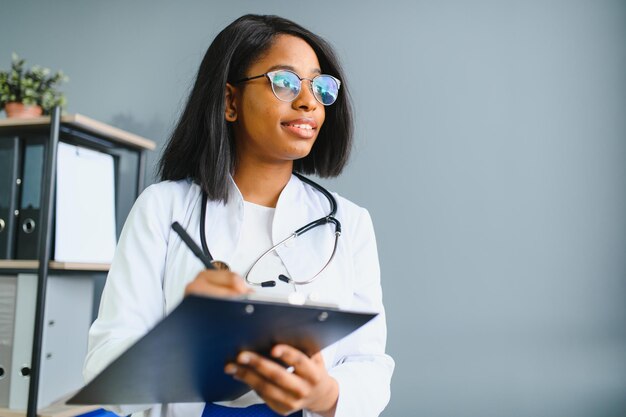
[8,292]
[67,318]
[85,205]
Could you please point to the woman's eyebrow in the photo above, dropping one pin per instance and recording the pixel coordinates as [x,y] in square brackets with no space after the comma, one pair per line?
[290,68]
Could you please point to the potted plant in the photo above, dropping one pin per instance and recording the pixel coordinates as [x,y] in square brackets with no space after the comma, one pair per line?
[30,93]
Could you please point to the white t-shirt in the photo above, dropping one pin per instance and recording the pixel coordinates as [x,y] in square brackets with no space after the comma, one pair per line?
[256,239]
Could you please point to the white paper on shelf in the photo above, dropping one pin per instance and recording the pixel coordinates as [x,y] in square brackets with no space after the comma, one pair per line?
[85,205]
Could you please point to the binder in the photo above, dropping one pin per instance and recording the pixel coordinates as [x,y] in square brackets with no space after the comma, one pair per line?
[69,304]
[64,346]
[8,292]
[182,358]
[9,165]
[27,227]
[23,340]
[85,205]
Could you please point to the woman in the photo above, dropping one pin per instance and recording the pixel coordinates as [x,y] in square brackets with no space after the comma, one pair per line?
[269,103]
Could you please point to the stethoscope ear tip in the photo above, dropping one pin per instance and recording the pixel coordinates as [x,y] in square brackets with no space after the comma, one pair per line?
[268,284]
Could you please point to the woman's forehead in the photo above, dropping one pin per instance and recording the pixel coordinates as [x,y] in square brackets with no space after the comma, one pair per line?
[288,52]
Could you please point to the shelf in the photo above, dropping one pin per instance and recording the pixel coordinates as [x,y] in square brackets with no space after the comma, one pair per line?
[48,131]
[54,265]
[87,124]
[51,411]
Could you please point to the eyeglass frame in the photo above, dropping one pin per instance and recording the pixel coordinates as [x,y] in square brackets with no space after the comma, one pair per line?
[271,73]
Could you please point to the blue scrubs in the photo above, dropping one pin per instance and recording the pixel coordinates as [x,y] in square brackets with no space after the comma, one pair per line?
[256,410]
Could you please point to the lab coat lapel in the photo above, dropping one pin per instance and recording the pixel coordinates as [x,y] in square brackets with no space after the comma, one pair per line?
[298,205]
[223,224]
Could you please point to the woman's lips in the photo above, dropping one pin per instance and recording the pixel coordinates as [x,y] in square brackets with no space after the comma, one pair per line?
[303,128]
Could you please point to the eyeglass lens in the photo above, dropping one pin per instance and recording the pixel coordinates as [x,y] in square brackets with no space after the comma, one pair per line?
[286,86]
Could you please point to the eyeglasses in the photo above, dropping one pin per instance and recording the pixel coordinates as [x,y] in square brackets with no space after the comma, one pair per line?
[287,85]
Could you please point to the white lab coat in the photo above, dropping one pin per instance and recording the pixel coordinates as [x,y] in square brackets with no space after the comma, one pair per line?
[152,266]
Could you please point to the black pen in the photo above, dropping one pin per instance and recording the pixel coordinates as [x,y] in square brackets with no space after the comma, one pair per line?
[192,245]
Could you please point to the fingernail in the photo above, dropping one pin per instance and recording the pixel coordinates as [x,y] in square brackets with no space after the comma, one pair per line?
[278,352]
[230,369]
[244,358]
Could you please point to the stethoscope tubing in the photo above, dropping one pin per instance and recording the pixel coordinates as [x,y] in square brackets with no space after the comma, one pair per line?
[307,227]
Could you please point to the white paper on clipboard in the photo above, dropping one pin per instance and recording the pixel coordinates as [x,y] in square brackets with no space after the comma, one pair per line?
[85,205]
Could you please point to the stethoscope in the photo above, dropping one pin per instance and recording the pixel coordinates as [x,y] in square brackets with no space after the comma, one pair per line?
[330,218]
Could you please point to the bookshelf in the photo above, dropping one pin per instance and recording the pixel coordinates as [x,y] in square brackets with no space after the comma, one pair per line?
[86,124]
[49,278]
[26,264]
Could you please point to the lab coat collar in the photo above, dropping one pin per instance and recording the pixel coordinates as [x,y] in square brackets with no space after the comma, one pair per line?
[224,220]
[298,204]
[223,223]
[289,215]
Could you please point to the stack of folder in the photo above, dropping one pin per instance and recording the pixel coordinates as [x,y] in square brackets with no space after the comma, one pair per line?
[85,224]
[85,232]
[21,172]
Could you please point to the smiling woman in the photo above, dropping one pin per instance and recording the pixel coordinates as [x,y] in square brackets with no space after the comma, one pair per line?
[204,137]
[271,133]
[269,104]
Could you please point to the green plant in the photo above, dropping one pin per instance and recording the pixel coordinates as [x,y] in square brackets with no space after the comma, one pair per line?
[32,87]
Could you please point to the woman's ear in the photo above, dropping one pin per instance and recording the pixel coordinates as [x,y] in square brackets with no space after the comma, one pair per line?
[230,112]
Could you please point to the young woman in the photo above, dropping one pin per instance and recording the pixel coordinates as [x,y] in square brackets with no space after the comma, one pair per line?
[269,103]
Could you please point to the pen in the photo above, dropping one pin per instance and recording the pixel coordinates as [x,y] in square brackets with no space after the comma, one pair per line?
[192,245]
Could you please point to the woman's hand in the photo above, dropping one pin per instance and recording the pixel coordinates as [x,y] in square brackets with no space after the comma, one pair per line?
[308,386]
[217,283]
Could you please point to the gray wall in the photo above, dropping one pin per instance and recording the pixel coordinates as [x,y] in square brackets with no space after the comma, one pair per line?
[491,152]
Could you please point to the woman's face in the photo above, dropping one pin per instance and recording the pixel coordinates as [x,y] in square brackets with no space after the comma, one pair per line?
[267,129]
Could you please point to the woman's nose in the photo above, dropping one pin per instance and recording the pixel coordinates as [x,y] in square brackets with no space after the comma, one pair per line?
[305,100]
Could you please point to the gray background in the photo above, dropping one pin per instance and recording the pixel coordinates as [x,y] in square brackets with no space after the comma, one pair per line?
[491,153]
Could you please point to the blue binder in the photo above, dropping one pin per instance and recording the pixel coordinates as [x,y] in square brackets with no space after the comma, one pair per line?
[182,358]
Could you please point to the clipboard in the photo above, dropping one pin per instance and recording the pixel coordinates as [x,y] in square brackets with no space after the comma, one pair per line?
[182,358]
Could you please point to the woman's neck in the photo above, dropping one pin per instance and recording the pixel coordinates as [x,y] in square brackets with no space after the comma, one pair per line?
[262,184]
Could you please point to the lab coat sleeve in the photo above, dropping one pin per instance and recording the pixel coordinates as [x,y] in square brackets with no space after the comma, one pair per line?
[362,369]
[132,300]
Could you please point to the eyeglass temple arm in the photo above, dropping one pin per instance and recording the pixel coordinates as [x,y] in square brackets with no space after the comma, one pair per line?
[243,80]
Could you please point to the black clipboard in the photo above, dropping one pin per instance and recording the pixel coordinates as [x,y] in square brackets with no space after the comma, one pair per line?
[182,358]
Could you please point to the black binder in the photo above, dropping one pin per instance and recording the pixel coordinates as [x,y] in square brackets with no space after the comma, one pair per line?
[182,358]
[9,168]
[27,227]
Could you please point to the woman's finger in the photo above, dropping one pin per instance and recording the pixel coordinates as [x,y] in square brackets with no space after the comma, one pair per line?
[218,283]
[274,372]
[303,365]
[212,290]
[277,398]
[224,278]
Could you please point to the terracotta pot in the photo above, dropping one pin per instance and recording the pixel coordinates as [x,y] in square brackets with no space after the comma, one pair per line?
[20,111]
